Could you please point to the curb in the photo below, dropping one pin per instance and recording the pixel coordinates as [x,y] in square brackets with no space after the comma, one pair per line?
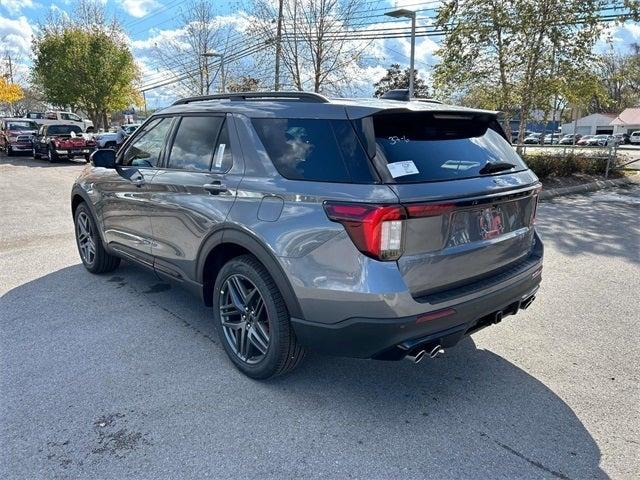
[586,187]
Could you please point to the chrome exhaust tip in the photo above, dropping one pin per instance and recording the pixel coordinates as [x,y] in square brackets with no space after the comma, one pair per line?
[416,357]
[436,351]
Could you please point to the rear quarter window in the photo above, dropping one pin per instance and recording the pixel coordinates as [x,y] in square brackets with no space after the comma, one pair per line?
[315,149]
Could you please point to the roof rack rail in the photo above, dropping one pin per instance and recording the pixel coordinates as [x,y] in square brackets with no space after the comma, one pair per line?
[299,96]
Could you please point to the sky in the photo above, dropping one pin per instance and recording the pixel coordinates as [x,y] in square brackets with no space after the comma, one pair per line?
[152,22]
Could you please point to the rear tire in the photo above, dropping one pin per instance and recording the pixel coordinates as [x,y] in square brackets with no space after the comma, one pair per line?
[92,253]
[283,353]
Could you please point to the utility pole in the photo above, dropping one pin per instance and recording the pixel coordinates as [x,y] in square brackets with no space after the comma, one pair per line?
[276,85]
[10,68]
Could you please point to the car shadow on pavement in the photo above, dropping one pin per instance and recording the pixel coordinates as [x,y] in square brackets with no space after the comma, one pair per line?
[586,225]
[126,347]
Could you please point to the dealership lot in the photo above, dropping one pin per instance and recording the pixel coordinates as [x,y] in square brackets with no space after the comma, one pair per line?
[122,376]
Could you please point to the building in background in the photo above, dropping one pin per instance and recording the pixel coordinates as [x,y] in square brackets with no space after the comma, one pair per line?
[628,121]
[594,124]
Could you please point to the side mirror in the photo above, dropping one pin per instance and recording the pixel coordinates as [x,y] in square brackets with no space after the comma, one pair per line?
[105,158]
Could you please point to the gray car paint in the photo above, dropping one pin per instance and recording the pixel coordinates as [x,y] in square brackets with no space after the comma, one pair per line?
[331,279]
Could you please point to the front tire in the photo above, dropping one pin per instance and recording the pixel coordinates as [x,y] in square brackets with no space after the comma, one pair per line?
[92,253]
[52,155]
[9,151]
[36,155]
[252,320]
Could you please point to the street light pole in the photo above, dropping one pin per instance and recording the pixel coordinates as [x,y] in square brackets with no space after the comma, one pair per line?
[208,55]
[412,72]
[404,13]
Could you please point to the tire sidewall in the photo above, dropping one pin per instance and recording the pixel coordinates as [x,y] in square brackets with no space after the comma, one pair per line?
[94,235]
[267,367]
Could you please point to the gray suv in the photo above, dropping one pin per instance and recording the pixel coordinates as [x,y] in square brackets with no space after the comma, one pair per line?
[373,228]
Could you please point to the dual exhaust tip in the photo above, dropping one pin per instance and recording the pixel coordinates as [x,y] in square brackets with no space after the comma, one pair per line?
[418,355]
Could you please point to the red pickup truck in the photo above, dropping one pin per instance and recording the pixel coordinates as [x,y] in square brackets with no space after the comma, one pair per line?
[62,141]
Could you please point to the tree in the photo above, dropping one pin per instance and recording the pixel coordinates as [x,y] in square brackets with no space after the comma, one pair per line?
[85,64]
[512,49]
[313,53]
[199,33]
[10,92]
[396,78]
[244,84]
[619,75]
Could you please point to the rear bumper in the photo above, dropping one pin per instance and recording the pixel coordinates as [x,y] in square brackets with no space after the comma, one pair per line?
[391,339]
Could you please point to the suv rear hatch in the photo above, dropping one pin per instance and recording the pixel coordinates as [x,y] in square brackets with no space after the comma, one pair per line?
[469,198]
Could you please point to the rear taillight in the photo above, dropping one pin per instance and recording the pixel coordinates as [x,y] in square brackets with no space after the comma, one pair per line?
[534,212]
[376,230]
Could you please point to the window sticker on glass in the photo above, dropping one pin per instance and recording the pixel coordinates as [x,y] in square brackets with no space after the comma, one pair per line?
[401,169]
[220,155]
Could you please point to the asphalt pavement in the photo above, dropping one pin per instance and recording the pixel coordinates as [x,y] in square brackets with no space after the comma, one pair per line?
[122,376]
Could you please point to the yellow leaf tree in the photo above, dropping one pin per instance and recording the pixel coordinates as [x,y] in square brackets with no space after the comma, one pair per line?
[10,92]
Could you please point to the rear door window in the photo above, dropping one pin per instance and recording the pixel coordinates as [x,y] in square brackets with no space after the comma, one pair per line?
[314,149]
[417,147]
[193,145]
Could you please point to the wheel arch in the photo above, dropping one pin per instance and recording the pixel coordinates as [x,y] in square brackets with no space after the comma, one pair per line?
[226,244]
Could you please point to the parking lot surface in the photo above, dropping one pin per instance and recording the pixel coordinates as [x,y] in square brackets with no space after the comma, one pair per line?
[122,376]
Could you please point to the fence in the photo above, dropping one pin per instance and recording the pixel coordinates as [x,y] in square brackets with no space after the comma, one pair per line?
[610,153]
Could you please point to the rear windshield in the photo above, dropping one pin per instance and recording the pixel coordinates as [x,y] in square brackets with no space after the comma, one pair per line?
[315,149]
[424,147]
[20,125]
[63,129]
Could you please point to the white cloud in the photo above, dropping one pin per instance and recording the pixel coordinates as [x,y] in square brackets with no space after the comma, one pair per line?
[14,7]
[138,8]
[16,35]
[633,29]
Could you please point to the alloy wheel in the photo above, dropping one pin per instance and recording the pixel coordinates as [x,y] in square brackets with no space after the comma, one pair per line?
[84,233]
[244,318]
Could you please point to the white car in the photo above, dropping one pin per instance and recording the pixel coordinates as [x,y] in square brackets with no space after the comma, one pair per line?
[634,138]
[109,139]
[57,117]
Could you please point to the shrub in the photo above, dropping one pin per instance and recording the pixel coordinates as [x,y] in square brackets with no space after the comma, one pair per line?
[547,165]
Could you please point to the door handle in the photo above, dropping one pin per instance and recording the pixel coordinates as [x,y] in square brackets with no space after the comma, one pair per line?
[215,187]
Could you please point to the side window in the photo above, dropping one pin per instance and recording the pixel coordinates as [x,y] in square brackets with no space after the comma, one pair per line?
[194,143]
[314,149]
[65,116]
[73,117]
[146,148]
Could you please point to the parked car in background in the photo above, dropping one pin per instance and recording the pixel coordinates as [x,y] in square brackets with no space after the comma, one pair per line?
[602,140]
[62,141]
[363,228]
[584,139]
[110,139]
[16,135]
[569,139]
[534,138]
[621,138]
[634,138]
[514,135]
[57,117]
[551,138]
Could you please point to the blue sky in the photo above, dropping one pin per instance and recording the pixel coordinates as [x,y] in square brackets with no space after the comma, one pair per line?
[148,22]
